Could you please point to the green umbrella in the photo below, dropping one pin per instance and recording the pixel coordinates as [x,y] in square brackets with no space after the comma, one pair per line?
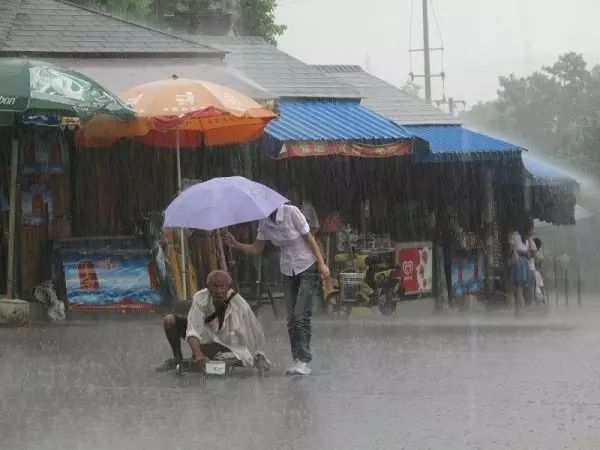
[35,87]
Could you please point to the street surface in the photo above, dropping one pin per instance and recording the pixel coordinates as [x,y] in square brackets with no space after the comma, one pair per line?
[417,381]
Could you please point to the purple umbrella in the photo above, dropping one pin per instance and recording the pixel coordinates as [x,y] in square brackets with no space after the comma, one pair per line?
[222,202]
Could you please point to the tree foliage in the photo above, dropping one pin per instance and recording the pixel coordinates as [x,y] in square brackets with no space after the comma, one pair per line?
[257,18]
[124,8]
[554,110]
[252,17]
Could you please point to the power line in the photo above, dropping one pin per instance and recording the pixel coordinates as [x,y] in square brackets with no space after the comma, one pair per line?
[442,62]
[437,24]
[290,2]
[410,46]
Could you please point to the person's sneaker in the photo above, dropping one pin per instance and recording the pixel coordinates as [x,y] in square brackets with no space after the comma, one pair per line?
[292,368]
[261,362]
[169,364]
[302,368]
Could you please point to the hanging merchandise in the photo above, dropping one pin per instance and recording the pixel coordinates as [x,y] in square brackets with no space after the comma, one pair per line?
[45,151]
[36,199]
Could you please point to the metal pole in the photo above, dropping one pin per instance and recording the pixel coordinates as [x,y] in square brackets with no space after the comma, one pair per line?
[12,221]
[181,231]
[555,277]
[578,284]
[426,52]
[566,286]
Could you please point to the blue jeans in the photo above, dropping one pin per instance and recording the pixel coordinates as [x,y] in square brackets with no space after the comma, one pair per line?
[301,289]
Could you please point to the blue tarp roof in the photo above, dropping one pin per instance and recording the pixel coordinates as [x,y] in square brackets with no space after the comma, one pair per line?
[320,120]
[451,142]
[543,173]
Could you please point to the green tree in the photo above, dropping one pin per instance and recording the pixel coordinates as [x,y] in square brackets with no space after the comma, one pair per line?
[547,109]
[124,8]
[252,17]
[257,18]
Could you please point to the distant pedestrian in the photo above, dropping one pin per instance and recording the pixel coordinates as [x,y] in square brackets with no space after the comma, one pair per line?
[518,273]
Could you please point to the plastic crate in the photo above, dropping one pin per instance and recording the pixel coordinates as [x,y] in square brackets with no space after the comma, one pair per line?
[350,285]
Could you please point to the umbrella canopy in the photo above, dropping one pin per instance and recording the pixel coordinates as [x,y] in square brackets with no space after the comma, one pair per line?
[36,87]
[222,202]
[190,113]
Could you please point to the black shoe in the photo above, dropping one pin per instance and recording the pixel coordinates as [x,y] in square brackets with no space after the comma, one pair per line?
[169,364]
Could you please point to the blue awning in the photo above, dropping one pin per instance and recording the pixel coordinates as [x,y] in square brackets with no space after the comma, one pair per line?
[331,120]
[453,142]
[546,174]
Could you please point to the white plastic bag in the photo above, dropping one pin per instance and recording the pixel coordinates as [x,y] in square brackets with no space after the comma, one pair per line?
[46,295]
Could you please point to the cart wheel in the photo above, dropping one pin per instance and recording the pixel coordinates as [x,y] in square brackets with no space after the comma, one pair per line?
[386,305]
[335,309]
[179,369]
[387,308]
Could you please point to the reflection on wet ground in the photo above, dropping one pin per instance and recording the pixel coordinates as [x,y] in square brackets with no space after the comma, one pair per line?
[415,381]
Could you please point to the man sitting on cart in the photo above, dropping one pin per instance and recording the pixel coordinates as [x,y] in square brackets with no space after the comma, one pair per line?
[220,325]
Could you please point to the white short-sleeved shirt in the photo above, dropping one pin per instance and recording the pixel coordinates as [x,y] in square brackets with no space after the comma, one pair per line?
[287,233]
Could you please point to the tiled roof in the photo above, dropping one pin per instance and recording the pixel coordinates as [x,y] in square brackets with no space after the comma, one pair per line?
[388,100]
[275,70]
[52,27]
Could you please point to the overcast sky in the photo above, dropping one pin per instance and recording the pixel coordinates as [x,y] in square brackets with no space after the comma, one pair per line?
[483,38]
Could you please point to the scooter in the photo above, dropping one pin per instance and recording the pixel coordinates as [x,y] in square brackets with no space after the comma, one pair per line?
[367,281]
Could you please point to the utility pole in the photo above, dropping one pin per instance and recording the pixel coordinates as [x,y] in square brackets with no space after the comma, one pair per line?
[451,104]
[427,73]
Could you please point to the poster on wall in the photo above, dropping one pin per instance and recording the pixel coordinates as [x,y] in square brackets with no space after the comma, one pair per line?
[415,262]
[35,196]
[116,281]
[45,151]
[468,274]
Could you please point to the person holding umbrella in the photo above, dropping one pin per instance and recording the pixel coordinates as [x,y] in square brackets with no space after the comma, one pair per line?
[302,265]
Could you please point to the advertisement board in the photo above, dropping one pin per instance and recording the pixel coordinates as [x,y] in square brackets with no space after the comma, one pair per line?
[115,281]
[415,262]
[468,274]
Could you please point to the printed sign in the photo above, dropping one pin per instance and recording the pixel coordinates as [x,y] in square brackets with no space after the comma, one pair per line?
[8,101]
[344,148]
[101,281]
[415,267]
[468,274]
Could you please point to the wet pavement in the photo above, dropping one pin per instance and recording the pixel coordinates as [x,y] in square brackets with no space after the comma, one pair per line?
[416,381]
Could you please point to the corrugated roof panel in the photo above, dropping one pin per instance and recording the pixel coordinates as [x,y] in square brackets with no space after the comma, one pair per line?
[312,120]
[448,142]
[546,174]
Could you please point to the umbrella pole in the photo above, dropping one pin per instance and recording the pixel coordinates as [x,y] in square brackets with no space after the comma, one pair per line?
[181,232]
[221,252]
[10,279]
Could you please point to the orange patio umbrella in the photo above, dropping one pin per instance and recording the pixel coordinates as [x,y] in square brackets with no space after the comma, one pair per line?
[179,112]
